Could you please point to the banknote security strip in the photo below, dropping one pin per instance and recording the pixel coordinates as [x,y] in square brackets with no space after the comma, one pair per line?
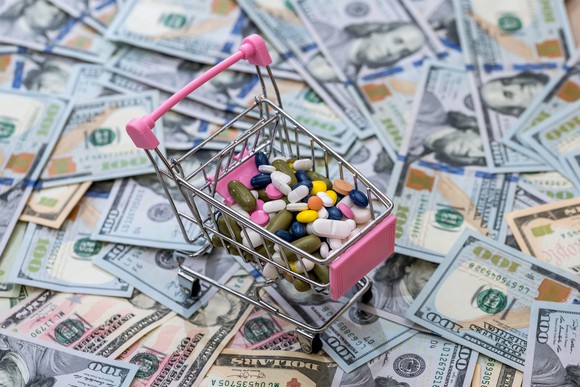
[229,209]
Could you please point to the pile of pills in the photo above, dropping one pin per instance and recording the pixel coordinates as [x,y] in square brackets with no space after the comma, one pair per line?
[299,205]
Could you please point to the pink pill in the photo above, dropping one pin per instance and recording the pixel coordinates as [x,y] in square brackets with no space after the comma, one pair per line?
[260,218]
[273,192]
[259,205]
[346,211]
[229,201]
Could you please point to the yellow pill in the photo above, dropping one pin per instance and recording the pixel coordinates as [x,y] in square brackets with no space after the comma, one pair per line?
[318,186]
[332,195]
[307,216]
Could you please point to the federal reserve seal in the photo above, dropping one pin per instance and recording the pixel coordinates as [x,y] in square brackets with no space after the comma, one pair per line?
[448,219]
[409,365]
[509,23]
[258,329]
[361,317]
[69,331]
[102,137]
[357,9]
[491,301]
[160,212]
[166,260]
[147,362]
[87,248]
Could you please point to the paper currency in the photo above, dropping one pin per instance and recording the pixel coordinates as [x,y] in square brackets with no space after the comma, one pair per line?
[36,363]
[154,272]
[8,259]
[97,14]
[552,184]
[571,161]
[441,17]
[270,368]
[491,373]
[549,232]
[41,26]
[422,360]
[355,338]
[29,128]
[104,326]
[94,144]
[51,206]
[552,354]
[573,10]
[85,83]
[62,259]
[8,303]
[480,297]
[373,161]
[180,352]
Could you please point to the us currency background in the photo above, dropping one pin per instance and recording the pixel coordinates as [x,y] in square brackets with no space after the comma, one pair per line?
[464,112]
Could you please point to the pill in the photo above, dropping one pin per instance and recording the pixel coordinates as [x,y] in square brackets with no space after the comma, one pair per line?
[342,187]
[322,213]
[324,249]
[298,230]
[309,229]
[317,186]
[334,243]
[307,183]
[302,164]
[254,239]
[240,210]
[297,207]
[242,195]
[346,200]
[306,216]
[284,235]
[283,167]
[334,213]
[260,218]
[358,198]
[255,193]
[317,176]
[302,176]
[276,257]
[223,227]
[309,244]
[262,195]
[346,211]
[332,195]
[281,221]
[280,181]
[300,285]
[361,215]
[322,272]
[298,194]
[297,267]
[261,159]
[351,223]
[274,206]
[326,200]
[283,158]
[331,228]
[269,271]
[259,205]
[305,199]
[267,168]
[315,203]
[272,192]
[261,180]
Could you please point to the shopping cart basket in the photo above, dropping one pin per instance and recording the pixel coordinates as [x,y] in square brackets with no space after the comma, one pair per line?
[276,134]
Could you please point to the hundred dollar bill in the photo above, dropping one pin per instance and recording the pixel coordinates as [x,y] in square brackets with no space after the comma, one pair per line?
[552,354]
[104,326]
[550,232]
[354,338]
[491,373]
[51,206]
[94,144]
[423,360]
[8,259]
[269,368]
[42,26]
[86,84]
[62,259]
[480,297]
[8,303]
[35,363]
[154,272]
[571,161]
[560,92]
[97,14]
[552,184]
[371,159]
[440,15]
[180,352]
[30,125]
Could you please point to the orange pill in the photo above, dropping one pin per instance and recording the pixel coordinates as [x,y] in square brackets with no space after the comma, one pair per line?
[342,187]
[315,203]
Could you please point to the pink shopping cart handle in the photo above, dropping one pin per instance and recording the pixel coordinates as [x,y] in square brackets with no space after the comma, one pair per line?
[253,49]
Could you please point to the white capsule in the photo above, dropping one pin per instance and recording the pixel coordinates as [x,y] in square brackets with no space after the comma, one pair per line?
[267,168]
[298,194]
[274,206]
[276,257]
[322,213]
[334,243]
[302,165]
[255,239]
[351,223]
[309,228]
[326,200]
[361,215]
[346,200]
[308,265]
[240,210]
[296,207]
[324,249]
[331,228]
[254,193]
[269,271]
[356,231]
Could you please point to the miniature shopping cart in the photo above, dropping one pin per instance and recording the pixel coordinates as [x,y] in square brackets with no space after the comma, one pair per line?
[276,134]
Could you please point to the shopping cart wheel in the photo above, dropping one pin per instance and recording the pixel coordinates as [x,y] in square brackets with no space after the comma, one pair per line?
[310,342]
[189,284]
[368,296]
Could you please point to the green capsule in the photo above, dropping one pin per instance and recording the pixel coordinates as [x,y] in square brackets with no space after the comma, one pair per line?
[283,167]
[317,176]
[321,272]
[309,244]
[262,195]
[242,195]
[223,227]
[281,221]
[300,285]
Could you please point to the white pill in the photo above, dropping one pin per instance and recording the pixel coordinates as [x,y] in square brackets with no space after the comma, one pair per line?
[284,188]
[298,194]
[267,168]
[335,243]
[351,223]
[356,231]
[309,228]
[274,206]
[269,271]
[324,249]
[276,257]
[280,177]
[361,215]
[240,210]
[331,228]
[283,158]
[322,213]
[255,239]
[346,200]
[302,165]
[326,200]
[254,193]
[308,265]
[294,207]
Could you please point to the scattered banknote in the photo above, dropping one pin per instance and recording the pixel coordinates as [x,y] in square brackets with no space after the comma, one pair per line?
[7,260]
[440,15]
[97,14]
[550,232]
[30,125]
[86,84]
[480,297]
[94,144]
[371,159]
[42,26]
[154,272]
[8,303]
[180,352]
[552,354]
[269,368]
[491,373]
[62,259]
[422,360]
[354,338]
[38,363]
[571,162]
[552,184]
[104,326]
[51,206]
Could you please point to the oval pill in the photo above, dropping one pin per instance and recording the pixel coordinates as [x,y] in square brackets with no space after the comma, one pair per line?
[298,194]
[240,211]
[284,235]
[358,198]
[346,211]
[332,195]
[326,200]
[322,213]
[260,218]
[331,228]
[269,271]
[307,216]
[342,187]
[324,249]
[298,230]
[281,221]
[274,206]
[361,215]
[296,267]
[334,213]
[302,164]
[315,203]
[266,168]
[254,241]
[317,186]
[242,195]
[334,243]
[261,159]
[307,183]
[261,180]
[272,192]
[302,176]
[283,167]
[296,207]
[317,176]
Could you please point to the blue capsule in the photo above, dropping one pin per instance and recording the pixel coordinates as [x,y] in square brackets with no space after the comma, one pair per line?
[302,176]
[261,159]
[305,200]
[284,235]
[334,213]
[298,230]
[261,180]
[307,183]
[358,198]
